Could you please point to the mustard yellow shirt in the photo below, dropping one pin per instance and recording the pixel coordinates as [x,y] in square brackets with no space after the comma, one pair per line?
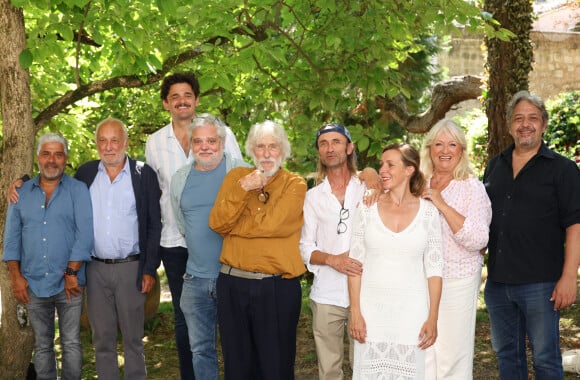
[261,237]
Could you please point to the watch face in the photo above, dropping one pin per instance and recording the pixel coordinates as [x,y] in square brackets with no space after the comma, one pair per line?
[70,272]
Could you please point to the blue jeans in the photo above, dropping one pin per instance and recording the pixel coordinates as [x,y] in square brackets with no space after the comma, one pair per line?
[41,315]
[519,310]
[199,305]
[174,262]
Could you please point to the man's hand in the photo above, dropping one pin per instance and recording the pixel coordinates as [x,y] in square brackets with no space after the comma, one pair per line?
[147,283]
[564,293]
[371,197]
[344,264]
[11,193]
[20,289]
[253,181]
[71,287]
[371,179]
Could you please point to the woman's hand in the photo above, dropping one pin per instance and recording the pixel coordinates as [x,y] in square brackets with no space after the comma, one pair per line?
[435,197]
[357,326]
[428,334]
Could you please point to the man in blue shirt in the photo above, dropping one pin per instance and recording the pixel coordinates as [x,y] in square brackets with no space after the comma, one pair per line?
[194,188]
[127,220]
[48,236]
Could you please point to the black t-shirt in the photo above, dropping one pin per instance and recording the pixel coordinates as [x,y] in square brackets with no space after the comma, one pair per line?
[530,215]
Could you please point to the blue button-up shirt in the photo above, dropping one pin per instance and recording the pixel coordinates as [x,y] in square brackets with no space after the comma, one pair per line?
[44,238]
[115,214]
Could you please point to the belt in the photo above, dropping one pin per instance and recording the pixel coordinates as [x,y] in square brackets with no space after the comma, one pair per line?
[226,269]
[117,261]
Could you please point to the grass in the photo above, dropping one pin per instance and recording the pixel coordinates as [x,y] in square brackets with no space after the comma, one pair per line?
[162,363]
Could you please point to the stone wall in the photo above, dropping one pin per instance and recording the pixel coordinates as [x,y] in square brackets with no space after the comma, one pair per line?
[556,66]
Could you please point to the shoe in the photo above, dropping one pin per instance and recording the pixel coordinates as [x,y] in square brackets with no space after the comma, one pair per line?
[571,361]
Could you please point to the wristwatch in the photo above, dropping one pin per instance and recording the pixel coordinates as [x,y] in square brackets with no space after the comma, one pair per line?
[70,272]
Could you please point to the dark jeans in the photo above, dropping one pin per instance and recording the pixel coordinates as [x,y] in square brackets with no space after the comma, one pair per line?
[257,322]
[519,310]
[174,262]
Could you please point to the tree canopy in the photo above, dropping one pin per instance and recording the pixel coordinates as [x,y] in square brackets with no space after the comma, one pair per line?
[301,62]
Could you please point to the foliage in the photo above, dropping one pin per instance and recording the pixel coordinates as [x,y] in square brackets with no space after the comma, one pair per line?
[303,63]
[563,132]
[474,124]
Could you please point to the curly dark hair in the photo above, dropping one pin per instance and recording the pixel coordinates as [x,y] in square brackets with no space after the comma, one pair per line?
[175,78]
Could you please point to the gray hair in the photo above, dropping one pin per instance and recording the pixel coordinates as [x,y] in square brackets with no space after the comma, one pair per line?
[524,95]
[204,119]
[113,121]
[268,129]
[50,138]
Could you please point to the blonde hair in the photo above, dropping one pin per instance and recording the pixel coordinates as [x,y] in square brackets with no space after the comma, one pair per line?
[463,169]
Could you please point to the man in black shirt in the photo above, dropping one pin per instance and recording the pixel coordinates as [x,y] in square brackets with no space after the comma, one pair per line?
[534,244]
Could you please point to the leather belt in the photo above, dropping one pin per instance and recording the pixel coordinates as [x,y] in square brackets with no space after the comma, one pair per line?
[117,261]
[227,269]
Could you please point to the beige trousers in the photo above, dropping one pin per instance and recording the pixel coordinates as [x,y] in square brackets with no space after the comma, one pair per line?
[328,325]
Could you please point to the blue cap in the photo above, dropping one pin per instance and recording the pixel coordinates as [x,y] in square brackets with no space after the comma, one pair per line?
[333,127]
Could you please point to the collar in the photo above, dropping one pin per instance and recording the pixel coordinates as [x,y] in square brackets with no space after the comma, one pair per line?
[544,151]
[126,167]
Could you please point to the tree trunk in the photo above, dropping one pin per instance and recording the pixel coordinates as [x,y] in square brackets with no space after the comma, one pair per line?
[508,64]
[16,153]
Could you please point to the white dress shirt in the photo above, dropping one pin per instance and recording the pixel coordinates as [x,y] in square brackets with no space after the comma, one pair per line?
[319,232]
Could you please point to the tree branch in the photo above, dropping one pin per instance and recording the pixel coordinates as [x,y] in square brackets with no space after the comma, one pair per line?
[124,81]
[258,33]
[445,95]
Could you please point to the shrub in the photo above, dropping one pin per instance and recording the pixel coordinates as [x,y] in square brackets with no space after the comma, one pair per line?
[563,132]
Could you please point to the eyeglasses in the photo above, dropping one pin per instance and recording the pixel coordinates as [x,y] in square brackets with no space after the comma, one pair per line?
[211,141]
[263,196]
[342,227]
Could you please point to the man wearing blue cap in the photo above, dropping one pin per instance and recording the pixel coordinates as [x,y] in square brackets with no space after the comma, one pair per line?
[325,242]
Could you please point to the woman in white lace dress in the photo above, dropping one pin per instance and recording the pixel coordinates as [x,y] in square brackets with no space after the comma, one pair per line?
[394,304]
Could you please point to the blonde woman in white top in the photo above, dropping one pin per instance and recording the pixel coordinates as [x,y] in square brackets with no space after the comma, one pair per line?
[465,213]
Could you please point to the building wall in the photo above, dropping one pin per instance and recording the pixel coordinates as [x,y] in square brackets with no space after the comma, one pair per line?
[556,65]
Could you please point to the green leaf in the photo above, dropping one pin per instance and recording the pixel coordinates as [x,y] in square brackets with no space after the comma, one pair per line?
[25,58]
[66,33]
[363,143]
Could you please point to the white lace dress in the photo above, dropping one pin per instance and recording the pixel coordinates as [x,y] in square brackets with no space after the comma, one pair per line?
[394,295]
